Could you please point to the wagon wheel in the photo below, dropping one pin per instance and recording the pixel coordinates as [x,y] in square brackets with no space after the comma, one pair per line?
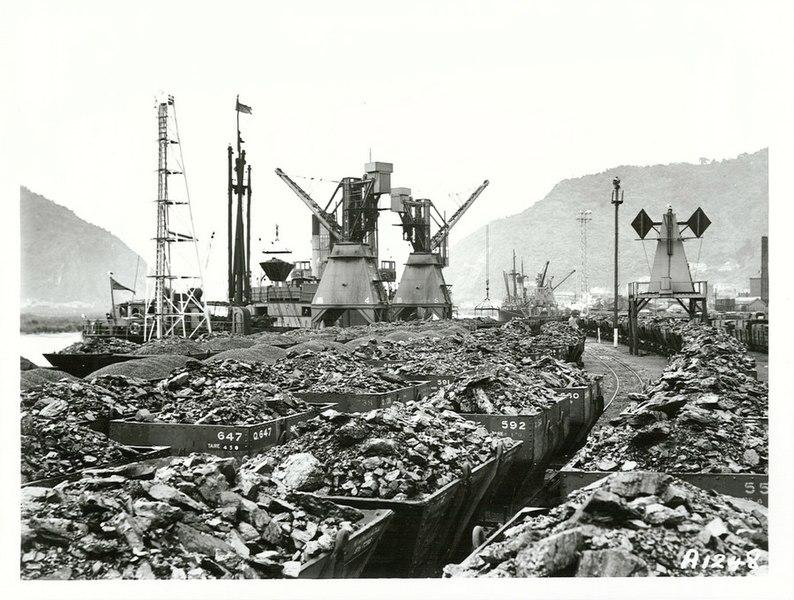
[477,537]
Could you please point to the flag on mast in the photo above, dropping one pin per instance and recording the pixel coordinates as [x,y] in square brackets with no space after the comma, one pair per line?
[115,285]
[243,108]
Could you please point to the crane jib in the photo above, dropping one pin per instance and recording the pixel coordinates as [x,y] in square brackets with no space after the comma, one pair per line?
[442,233]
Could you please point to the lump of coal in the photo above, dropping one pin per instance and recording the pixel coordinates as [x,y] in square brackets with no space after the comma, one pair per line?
[185,517]
[404,451]
[705,413]
[628,525]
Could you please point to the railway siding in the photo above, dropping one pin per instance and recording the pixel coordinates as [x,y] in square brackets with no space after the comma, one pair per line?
[623,374]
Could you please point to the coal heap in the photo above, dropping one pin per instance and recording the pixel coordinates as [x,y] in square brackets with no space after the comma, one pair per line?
[56,437]
[497,390]
[193,517]
[77,401]
[405,451]
[101,345]
[51,448]
[227,393]
[705,413]
[630,525]
[171,345]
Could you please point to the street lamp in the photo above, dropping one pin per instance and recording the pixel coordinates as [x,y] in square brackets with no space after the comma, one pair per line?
[617,200]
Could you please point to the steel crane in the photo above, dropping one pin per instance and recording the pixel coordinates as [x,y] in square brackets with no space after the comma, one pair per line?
[563,280]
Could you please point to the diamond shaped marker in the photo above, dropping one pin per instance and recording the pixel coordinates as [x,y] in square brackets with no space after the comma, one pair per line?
[642,224]
[698,222]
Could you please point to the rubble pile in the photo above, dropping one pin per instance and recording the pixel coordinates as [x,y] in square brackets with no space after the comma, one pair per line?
[395,331]
[331,372]
[56,437]
[520,327]
[432,362]
[237,405]
[559,332]
[520,338]
[26,365]
[557,373]
[446,355]
[35,377]
[405,451]
[493,346]
[725,355]
[496,391]
[379,349]
[260,353]
[101,345]
[628,525]
[75,401]
[475,322]
[225,410]
[553,335]
[371,348]
[179,518]
[228,375]
[150,367]
[298,336]
[171,345]
[402,335]
[52,447]
[227,393]
[139,393]
[705,413]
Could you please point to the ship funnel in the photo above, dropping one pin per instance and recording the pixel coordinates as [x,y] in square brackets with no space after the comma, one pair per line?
[277,269]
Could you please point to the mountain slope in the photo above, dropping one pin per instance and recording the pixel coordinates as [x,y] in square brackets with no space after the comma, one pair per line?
[66,260]
[734,194]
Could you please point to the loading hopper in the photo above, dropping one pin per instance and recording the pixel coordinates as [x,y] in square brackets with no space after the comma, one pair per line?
[277,269]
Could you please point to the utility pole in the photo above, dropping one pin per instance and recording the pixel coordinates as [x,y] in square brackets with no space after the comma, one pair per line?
[617,200]
[584,284]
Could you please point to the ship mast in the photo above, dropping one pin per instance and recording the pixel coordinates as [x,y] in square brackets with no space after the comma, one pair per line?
[239,186]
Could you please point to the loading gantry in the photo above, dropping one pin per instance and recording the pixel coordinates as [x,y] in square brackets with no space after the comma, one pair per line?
[423,292]
[670,277]
[350,291]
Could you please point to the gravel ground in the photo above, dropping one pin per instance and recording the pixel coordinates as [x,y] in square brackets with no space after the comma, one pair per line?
[151,367]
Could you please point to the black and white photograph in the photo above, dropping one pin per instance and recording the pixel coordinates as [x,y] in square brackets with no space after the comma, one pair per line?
[423,299]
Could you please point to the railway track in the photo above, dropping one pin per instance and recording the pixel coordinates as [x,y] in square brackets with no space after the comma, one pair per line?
[621,377]
[608,359]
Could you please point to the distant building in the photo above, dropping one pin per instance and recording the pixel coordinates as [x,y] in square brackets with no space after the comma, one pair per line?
[725,304]
[755,287]
[750,304]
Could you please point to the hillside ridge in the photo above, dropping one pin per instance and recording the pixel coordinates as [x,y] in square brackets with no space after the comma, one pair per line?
[734,193]
[66,260]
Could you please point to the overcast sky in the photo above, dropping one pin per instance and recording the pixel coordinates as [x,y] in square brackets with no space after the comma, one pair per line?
[521,93]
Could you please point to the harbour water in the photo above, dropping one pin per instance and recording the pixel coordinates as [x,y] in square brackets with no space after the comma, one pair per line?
[33,345]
